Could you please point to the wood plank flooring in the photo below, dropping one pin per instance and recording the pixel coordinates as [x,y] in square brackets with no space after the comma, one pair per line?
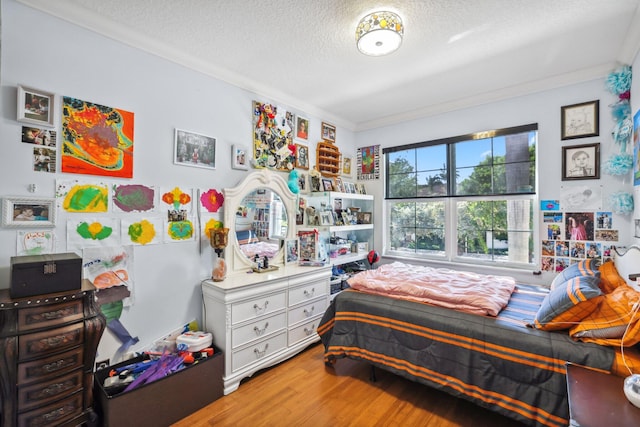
[303,392]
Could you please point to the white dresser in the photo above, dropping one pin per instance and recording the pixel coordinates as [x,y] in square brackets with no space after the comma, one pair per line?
[261,319]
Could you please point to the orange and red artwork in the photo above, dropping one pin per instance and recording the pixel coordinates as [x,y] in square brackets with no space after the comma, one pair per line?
[96,140]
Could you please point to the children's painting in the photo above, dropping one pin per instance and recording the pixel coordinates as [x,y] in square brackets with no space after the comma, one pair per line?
[273,145]
[76,196]
[582,197]
[111,272]
[96,140]
[133,198]
[176,200]
[35,242]
[141,231]
[211,199]
[91,232]
[179,230]
[368,162]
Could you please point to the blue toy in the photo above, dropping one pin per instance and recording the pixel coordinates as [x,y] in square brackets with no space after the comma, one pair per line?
[293,182]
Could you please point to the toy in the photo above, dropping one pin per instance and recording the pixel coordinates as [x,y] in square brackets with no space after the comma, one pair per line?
[293,182]
[194,340]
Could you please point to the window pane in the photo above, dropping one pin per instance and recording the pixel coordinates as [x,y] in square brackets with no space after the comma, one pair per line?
[474,181]
[472,153]
[404,158]
[417,227]
[432,183]
[433,157]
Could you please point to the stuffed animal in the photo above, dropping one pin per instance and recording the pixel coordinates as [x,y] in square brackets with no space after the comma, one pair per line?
[293,182]
[312,216]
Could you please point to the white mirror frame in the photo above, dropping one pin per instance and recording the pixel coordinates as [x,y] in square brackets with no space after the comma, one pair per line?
[263,178]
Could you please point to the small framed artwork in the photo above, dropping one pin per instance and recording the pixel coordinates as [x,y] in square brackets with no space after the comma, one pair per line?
[303,182]
[327,184]
[302,128]
[326,218]
[363,217]
[27,212]
[302,156]
[360,188]
[581,162]
[328,132]
[239,157]
[346,165]
[580,120]
[346,219]
[291,251]
[338,185]
[35,106]
[315,184]
[194,149]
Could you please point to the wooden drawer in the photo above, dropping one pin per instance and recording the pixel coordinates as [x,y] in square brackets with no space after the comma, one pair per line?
[53,414]
[307,311]
[41,343]
[42,369]
[307,293]
[49,315]
[43,393]
[303,331]
[258,351]
[258,329]
[257,307]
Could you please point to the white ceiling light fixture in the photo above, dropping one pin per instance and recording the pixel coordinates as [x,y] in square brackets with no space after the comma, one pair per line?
[379,33]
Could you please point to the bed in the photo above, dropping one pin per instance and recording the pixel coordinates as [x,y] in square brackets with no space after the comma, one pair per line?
[502,362]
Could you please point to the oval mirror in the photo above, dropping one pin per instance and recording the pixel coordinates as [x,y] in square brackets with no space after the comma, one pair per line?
[261,224]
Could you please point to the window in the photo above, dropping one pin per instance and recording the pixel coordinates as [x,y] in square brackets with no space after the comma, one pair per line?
[467,198]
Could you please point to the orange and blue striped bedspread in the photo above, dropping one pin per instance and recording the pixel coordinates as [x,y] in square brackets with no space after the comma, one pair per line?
[496,362]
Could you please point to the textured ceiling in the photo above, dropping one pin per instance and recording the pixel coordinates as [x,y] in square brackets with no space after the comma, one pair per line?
[301,53]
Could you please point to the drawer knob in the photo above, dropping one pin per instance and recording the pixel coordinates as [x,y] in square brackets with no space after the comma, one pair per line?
[309,294]
[261,331]
[261,354]
[259,309]
[309,331]
[309,313]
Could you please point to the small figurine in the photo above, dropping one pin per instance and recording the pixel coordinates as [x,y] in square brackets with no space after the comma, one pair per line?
[265,262]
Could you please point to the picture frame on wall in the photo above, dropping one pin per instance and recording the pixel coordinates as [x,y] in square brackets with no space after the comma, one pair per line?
[581,162]
[302,128]
[580,120]
[240,157]
[35,106]
[28,212]
[302,156]
[347,161]
[194,149]
[328,132]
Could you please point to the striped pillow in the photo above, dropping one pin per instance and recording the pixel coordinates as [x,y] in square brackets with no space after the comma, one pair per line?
[587,267]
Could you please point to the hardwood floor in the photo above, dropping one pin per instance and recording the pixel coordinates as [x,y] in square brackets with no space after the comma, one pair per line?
[302,391]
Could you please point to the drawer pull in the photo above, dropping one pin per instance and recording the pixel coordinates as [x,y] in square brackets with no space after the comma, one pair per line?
[309,294]
[261,354]
[55,389]
[309,313]
[311,330]
[50,315]
[259,309]
[51,367]
[261,331]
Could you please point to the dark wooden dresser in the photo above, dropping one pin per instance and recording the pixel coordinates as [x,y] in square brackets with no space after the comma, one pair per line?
[48,346]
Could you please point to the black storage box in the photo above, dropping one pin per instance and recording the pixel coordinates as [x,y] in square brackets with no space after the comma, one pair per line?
[164,401]
[44,274]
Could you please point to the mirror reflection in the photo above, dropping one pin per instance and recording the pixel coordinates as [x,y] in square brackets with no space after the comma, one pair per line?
[261,224]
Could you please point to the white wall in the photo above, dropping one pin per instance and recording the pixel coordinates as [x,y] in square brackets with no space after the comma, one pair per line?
[49,54]
[542,108]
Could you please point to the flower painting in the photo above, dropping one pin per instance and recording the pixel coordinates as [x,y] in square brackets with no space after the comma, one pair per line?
[211,200]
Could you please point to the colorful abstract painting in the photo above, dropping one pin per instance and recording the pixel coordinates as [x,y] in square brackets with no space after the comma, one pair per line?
[86,197]
[96,140]
[92,232]
[35,242]
[133,198]
[368,161]
[179,231]
[141,231]
[176,199]
[211,200]
[273,145]
[111,272]
[209,224]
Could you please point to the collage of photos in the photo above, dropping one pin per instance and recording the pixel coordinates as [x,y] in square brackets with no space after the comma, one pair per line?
[44,150]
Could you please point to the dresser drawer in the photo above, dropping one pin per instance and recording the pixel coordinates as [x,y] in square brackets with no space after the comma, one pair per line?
[306,311]
[258,329]
[258,351]
[41,343]
[42,369]
[49,315]
[303,331]
[53,414]
[307,292]
[256,307]
[46,392]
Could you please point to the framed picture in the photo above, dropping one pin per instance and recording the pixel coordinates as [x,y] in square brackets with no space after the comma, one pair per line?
[580,120]
[346,165]
[363,217]
[326,218]
[291,251]
[338,185]
[360,189]
[302,156]
[35,106]
[315,184]
[303,182]
[28,212]
[302,128]
[308,245]
[328,132]
[637,228]
[581,162]
[239,157]
[346,218]
[194,149]
[327,184]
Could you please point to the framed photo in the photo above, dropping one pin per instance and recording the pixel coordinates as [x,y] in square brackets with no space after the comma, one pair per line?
[291,251]
[346,165]
[581,162]
[303,183]
[360,189]
[315,184]
[35,106]
[327,184]
[302,128]
[338,185]
[328,132]
[363,217]
[637,228]
[302,156]
[346,218]
[580,120]
[194,149]
[28,212]
[326,218]
[239,157]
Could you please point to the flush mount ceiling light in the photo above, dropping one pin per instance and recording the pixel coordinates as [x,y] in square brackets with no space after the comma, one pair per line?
[379,33]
